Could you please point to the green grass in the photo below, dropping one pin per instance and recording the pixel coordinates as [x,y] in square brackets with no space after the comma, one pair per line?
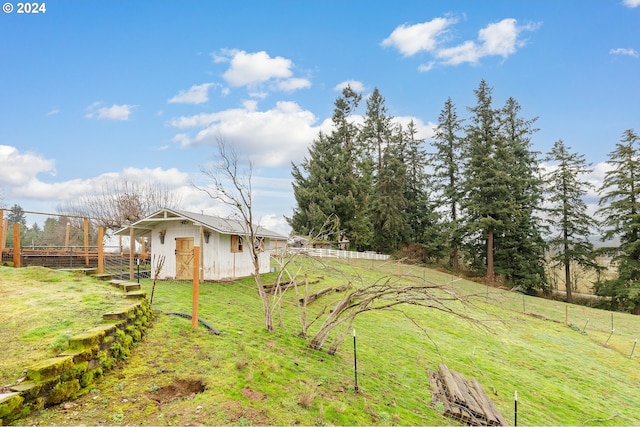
[41,309]
[252,377]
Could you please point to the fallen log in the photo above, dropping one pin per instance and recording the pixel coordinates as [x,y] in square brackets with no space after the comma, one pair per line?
[311,298]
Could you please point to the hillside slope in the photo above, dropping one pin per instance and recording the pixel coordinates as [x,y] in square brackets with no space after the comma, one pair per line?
[563,376]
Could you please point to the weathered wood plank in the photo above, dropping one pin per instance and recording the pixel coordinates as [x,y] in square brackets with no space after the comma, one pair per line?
[480,397]
[490,406]
[469,399]
[451,385]
[465,400]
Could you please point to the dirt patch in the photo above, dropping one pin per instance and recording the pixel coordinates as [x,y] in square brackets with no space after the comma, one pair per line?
[240,415]
[179,389]
[251,394]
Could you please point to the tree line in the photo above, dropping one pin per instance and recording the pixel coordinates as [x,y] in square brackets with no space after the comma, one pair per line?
[477,198]
[52,234]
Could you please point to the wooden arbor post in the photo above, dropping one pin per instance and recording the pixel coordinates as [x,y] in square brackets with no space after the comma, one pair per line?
[86,242]
[3,237]
[16,245]
[196,287]
[67,235]
[100,250]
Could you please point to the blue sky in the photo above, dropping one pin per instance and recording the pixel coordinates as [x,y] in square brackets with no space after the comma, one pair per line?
[93,90]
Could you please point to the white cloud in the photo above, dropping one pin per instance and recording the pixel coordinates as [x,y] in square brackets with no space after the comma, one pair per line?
[411,39]
[468,51]
[625,51]
[496,39]
[256,69]
[293,84]
[271,138]
[53,112]
[19,178]
[500,38]
[425,68]
[22,181]
[115,112]
[18,169]
[196,94]
[251,68]
[356,85]
[631,3]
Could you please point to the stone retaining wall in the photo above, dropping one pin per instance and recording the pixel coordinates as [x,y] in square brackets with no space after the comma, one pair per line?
[72,372]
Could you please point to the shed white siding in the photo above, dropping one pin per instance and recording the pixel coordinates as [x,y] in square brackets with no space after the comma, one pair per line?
[217,260]
[213,235]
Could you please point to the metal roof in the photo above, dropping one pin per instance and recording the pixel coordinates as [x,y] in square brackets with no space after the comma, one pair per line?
[214,223]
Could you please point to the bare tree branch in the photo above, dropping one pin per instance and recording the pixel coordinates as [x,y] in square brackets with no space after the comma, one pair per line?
[120,202]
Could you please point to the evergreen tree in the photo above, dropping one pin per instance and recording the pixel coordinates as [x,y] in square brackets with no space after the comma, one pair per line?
[326,182]
[567,211]
[33,235]
[16,215]
[520,249]
[424,227]
[387,205]
[486,201]
[620,208]
[502,190]
[54,232]
[447,175]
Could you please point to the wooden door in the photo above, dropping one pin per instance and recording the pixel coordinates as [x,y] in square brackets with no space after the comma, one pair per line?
[184,258]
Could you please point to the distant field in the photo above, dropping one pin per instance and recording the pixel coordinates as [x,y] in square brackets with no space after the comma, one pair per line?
[583,279]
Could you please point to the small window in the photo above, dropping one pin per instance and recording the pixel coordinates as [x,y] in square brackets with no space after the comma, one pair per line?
[236,243]
[258,244]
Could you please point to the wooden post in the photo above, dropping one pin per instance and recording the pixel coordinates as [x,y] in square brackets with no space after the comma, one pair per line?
[132,249]
[3,238]
[143,248]
[5,227]
[86,242]
[16,245]
[66,237]
[196,287]
[100,250]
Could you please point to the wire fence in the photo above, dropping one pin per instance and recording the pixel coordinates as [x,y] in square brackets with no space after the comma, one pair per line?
[116,260]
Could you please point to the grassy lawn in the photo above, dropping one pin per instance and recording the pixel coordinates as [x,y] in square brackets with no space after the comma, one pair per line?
[41,309]
[563,376]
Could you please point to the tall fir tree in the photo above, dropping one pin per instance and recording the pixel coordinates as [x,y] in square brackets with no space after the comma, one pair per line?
[486,201]
[424,227]
[325,184]
[447,175]
[16,215]
[387,205]
[620,208]
[571,223]
[520,249]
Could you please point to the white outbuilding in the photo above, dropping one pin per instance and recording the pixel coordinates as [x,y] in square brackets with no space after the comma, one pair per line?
[224,253]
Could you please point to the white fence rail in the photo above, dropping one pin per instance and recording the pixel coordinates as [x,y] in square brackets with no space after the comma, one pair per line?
[334,253]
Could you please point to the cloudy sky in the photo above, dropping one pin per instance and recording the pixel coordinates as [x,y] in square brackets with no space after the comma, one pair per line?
[93,90]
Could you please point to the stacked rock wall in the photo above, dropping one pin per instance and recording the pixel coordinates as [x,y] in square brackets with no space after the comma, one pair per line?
[72,372]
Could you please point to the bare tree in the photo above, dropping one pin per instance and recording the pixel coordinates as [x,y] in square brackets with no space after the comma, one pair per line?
[120,202]
[386,293]
[230,184]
